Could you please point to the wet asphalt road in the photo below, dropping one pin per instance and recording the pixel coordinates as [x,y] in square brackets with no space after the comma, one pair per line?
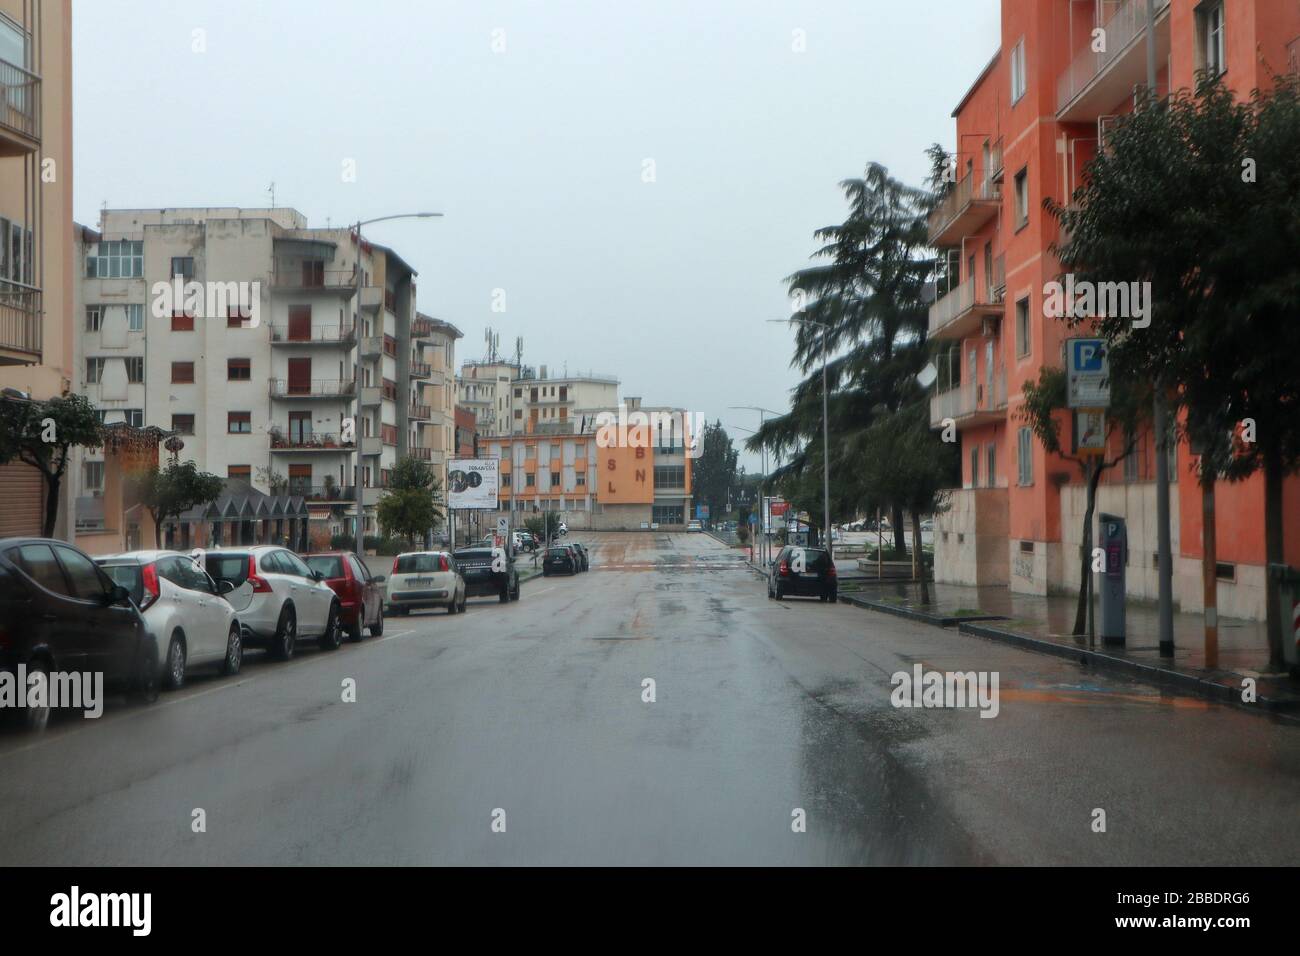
[761,707]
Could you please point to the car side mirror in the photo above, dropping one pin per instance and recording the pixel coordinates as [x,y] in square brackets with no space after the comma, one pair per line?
[225,587]
[117,595]
[317,576]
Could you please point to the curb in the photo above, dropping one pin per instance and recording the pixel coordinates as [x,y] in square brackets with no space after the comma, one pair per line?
[1187,684]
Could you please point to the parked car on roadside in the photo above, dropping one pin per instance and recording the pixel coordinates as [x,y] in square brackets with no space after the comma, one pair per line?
[488,571]
[60,613]
[804,572]
[425,579]
[524,541]
[277,597]
[694,525]
[559,559]
[562,529]
[360,593]
[184,608]
[583,553]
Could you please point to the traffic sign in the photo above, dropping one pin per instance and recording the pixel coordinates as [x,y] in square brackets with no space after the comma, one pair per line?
[1087,371]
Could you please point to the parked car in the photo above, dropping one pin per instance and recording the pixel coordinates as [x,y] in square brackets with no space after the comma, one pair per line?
[360,593]
[806,572]
[562,530]
[559,559]
[184,608]
[524,541]
[60,613]
[277,597]
[489,571]
[694,525]
[583,553]
[425,579]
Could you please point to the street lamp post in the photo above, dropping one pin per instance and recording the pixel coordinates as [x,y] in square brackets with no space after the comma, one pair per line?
[762,512]
[826,432]
[356,373]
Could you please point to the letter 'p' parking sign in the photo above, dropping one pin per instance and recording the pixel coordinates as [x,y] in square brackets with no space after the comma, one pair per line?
[1087,371]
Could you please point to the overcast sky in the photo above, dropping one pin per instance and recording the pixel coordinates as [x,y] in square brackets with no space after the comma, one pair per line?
[537,152]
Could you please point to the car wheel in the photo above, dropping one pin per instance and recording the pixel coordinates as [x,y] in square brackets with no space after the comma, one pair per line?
[514,595]
[286,635]
[451,605]
[333,636]
[780,594]
[834,598]
[36,719]
[377,629]
[464,599]
[234,652]
[174,675]
[354,630]
[505,594]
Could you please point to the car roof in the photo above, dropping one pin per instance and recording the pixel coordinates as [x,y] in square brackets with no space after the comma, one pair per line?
[407,554]
[141,557]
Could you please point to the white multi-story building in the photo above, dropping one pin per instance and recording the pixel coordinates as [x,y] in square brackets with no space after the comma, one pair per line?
[484,389]
[508,399]
[257,377]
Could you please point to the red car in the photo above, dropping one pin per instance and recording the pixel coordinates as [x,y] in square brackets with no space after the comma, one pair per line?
[360,593]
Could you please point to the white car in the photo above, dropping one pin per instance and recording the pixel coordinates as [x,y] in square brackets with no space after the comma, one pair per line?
[694,525]
[425,579]
[184,609]
[277,597]
[563,529]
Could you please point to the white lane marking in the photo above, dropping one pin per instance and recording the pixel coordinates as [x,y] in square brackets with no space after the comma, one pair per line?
[542,591]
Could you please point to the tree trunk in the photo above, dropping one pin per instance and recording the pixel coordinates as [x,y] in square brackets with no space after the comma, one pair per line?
[52,483]
[918,559]
[1273,551]
[157,533]
[1085,556]
[1209,567]
[896,519]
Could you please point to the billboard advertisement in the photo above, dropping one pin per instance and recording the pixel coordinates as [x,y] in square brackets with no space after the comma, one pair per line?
[473,483]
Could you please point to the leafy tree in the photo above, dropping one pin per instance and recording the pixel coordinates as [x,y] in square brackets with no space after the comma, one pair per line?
[1199,195]
[412,504]
[276,482]
[1044,409]
[42,434]
[868,294]
[170,491]
[544,526]
[713,474]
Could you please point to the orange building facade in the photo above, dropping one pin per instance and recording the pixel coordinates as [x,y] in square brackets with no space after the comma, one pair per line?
[1025,131]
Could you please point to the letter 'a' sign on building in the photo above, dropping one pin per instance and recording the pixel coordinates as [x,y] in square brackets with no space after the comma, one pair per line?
[1087,372]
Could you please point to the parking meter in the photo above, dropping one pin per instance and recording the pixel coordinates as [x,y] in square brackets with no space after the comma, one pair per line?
[1114,545]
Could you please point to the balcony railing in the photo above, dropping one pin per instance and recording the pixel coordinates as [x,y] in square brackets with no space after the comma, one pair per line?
[421,370]
[20,108]
[423,454]
[303,274]
[996,162]
[20,319]
[421,328]
[1125,25]
[972,202]
[322,492]
[315,388]
[421,412]
[971,402]
[309,441]
[315,335]
[958,313]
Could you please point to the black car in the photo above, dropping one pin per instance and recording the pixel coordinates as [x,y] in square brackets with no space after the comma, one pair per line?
[559,559]
[61,614]
[583,554]
[806,572]
[488,571]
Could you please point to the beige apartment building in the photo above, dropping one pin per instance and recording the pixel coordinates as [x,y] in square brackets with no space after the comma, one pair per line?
[36,272]
[257,373]
[509,399]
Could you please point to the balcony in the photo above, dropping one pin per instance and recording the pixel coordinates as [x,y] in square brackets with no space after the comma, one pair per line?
[371,396]
[421,370]
[972,403]
[313,389]
[335,336]
[20,110]
[20,324]
[420,453]
[996,162]
[371,445]
[372,297]
[971,204]
[300,266]
[1094,83]
[307,442]
[372,347]
[963,310]
[322,493]
[420,413]
[421,329]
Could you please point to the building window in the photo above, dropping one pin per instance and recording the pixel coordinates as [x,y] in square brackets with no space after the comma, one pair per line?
[1023,342]
[1018,73]
[94,316]
[182,373]
[530,479]
[580,479]
[93,472]
[991,471]
[670,476]
[1209,28]
[505,480]
[1025,458]
[667,514]
[133,417]
[183,424]
[121,259]
[239,423]
[1022,198]
[183,267]
[135,318]
[242,472]
[975,466]
[94,371]
[135,369]
[239,369]
[182,322]
[555,479]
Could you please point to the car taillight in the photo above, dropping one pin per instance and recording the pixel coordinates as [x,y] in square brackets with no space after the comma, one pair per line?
[259,585]
[394,565]
[830,572]
[784,568]
[442,563]
[149,575]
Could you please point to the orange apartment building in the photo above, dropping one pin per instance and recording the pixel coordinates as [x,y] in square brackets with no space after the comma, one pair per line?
[1026,130]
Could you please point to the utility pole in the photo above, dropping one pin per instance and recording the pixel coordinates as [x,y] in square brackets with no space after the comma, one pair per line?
[1160,421]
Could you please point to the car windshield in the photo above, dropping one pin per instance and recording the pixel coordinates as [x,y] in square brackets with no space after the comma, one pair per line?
[417,563]
[473,554]
[227,567]
[330,565]
[558,553]
[129,576]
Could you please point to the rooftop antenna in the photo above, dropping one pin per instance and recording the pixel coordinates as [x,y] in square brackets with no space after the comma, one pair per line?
[519,351]
[271,189]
